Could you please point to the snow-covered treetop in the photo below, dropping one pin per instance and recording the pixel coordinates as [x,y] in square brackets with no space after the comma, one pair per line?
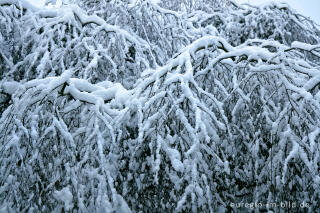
[118,106]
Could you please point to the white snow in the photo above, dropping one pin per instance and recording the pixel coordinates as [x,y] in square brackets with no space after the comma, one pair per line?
[64,196]
[10,87]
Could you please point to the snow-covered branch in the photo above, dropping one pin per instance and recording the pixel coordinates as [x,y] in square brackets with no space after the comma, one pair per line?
[170,106]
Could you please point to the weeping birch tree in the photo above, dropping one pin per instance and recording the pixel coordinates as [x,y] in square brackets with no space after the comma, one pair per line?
[142,106]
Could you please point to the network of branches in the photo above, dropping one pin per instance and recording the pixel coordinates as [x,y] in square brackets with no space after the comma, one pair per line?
[167,106]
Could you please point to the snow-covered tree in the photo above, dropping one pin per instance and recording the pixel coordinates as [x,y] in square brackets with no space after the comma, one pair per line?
[167,106]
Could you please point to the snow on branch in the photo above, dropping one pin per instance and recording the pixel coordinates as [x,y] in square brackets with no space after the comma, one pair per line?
[61,116]
[133,106]
[70,39]
[187,104]
[188,111]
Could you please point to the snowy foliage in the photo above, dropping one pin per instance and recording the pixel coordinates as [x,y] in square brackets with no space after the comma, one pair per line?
[170,106]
